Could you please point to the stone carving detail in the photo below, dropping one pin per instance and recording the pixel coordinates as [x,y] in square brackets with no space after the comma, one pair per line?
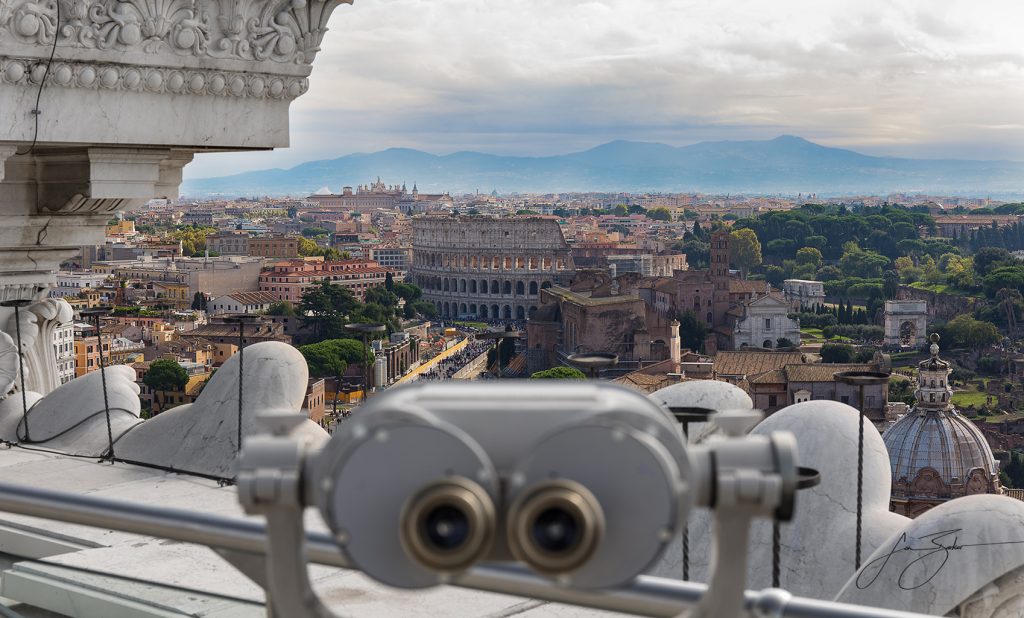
[158,80]
[38,322]
[285,31]
[8,365]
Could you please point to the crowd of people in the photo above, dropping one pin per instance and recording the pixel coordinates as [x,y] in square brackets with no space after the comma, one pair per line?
[447,368]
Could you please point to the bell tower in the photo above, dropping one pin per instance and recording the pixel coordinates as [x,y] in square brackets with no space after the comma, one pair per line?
[719,277]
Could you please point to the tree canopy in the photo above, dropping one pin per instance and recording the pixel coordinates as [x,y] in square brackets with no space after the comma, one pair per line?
[165,375]
[559,373]
[330,358]
[745,249]
[325,308]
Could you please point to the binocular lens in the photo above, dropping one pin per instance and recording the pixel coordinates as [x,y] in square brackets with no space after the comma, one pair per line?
[446,527]
[449,525]
[555,526]
[556,530]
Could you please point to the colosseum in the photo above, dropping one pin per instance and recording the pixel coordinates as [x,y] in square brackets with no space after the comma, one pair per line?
[476,267]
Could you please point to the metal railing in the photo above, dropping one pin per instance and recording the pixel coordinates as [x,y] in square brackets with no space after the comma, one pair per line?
[645,596]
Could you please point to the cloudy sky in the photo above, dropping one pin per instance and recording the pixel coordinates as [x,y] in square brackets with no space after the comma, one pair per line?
[928,78]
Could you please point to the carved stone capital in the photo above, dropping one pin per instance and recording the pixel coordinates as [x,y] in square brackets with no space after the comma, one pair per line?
[97,180]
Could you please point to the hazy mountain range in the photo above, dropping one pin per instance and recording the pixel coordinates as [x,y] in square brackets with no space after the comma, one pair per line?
[784,165]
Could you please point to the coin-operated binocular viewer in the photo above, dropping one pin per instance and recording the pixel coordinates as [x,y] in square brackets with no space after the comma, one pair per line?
[585,483]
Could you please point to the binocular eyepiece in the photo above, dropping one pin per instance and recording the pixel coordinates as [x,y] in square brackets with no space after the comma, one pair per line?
[555,526]
[449,525]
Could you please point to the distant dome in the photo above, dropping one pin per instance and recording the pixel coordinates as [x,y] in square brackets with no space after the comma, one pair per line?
[935,453]
[949,444]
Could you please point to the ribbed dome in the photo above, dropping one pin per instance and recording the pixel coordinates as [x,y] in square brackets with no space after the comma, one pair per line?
[935,453]
[942,440]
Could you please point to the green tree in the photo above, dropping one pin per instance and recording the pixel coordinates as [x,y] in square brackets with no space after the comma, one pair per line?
[967,332]
[783,342]
[745,249]
[559,373]
[660,214]
[192,238]
[890,284]
[809,256]
[325,307]
[199,302]
[308,248]
[857,262]
[424,308]
[620,210]
[389,281]
[409,292]
[836,353]
[692,330]
[164,375]
[331,358]
[281,308]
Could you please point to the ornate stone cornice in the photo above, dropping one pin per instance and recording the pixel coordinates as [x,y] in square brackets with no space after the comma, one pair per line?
[279,31]
[156,80]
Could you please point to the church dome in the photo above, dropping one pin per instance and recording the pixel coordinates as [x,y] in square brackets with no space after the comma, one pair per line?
[947,443]
[935,453]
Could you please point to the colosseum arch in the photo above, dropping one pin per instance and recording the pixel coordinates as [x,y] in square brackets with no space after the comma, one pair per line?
[520,312]
[481,256]
[545,285]
[472,308]
[507,312]
[462,309]
[533,309]
[483,311]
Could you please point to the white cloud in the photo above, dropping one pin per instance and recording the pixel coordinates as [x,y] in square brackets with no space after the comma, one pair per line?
[936,78]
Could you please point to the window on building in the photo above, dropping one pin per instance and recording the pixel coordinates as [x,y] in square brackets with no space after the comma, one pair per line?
[772,401]
[767,323]
[845,399]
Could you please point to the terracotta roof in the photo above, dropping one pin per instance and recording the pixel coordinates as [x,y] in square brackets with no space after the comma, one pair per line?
[752,362]
[644,382]
[775,376]
[253,298]
[823,372]
[737,286]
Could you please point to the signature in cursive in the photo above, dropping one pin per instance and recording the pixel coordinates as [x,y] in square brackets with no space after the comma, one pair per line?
[932,555]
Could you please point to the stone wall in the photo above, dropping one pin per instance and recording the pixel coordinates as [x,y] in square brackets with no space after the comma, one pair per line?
[941,307]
